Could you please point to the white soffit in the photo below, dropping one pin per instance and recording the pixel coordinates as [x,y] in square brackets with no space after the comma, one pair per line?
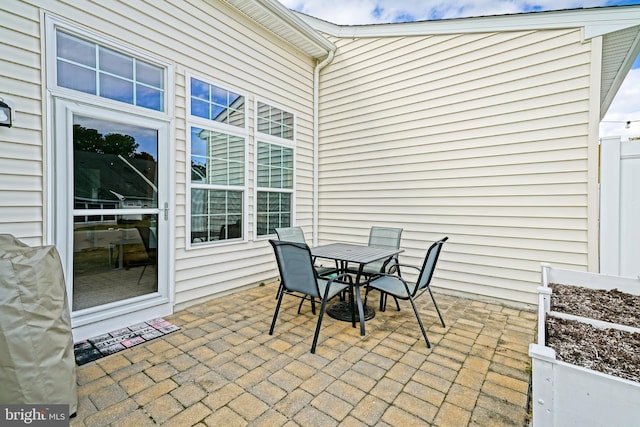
[285,24]
[619,51]
[596,22]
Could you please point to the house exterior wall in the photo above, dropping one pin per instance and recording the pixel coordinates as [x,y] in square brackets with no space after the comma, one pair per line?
[202,38]
[22,196]
[480,137]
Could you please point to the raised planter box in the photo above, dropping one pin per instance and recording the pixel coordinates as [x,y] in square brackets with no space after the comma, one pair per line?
[565,394]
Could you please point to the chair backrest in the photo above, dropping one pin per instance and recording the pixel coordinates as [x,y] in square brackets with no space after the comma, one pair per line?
[383,237]
[291,234]
[296,267]
[429,265]
[146,235]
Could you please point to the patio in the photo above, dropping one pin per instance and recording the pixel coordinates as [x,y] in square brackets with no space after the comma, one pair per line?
[223,369]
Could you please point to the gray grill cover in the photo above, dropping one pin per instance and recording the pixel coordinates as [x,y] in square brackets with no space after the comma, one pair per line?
[37,364]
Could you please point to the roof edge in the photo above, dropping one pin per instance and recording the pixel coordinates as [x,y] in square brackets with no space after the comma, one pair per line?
[286,24]
[596,22]
[624,69]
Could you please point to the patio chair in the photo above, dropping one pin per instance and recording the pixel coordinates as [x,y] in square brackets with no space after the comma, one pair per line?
[385,237]
[298,278]
[149,257]
[401,289]
[295,234]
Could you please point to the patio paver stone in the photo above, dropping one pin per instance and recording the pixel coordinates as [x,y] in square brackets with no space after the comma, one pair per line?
[224,369]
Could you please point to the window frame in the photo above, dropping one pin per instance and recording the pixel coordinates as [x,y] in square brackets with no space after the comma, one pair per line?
[53,24]
[234,131]
[283,142]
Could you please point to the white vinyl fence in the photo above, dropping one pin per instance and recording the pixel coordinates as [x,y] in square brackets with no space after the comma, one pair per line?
[619,207]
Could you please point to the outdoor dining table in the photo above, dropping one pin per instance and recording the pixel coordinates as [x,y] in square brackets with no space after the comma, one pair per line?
[345,253]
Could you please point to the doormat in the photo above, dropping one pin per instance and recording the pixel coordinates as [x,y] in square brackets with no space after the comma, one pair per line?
[103,345]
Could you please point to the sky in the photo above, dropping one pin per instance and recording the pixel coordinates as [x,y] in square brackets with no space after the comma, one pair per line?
[625,107]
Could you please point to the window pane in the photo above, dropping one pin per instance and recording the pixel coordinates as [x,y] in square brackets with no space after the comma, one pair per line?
[236,115]
[115,88]
[199,89]
[216,157]
[216,103]
[263,125]
[115,165]
[149,74]
[275,166]
[218,113]
[274,203]
[215,215]
[149,98]
[116,63]
[285,206]
[198,169]
[76,50]
[275,178]
[199,108]
[219,96]
[236,173]
[218,172]
[263,177]
[274,121]
[76,78]
[78,68]
[274,210]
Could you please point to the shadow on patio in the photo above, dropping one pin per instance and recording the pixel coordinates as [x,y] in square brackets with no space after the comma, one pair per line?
[223,369]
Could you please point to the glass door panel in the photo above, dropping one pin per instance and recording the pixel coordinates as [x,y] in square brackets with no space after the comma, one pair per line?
[115,212]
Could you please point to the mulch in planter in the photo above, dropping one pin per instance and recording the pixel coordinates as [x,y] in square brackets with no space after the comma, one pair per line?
[612,306]
[610,351]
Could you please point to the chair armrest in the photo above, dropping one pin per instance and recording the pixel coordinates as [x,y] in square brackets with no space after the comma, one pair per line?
[338,277]
[392,276]
[409,266]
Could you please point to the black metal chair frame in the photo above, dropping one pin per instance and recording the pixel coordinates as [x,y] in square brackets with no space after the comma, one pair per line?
[382,282]
[389,265]
[333,286]
[296,235]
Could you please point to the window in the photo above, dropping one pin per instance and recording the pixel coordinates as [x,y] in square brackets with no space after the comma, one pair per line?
[217,104]
[274,121]
[217,163]
[91,68]
[274,169]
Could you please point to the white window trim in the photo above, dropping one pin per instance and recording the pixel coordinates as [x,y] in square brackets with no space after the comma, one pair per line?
[270,139]
[243,132]
[52,23]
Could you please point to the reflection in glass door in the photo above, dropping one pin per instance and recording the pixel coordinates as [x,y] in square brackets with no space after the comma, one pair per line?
[115,211]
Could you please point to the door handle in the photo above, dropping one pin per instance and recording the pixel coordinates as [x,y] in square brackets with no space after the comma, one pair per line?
[166,211]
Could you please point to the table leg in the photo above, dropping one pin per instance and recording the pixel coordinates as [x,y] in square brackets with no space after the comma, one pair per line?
[360,309]
[359,300]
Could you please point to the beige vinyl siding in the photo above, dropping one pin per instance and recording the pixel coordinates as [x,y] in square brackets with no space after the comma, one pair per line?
[208,39]
[21,147]
[479,137]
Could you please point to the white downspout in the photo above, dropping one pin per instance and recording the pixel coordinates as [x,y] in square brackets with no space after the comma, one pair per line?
[316,149]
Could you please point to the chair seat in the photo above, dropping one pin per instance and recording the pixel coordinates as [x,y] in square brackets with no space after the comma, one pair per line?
[325,271]
[336,288]
[389,284]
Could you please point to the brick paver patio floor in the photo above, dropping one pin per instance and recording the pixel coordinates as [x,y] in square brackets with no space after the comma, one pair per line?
[222,368]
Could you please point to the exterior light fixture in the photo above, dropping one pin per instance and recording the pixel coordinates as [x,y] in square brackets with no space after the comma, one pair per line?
[628,125]
[6,113]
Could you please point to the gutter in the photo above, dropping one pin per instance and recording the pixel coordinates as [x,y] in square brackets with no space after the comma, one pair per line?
[316,145]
